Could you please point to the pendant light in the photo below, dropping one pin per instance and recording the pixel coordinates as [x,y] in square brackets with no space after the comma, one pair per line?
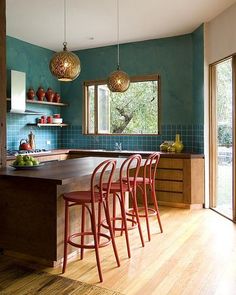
[118,81]
[65,65]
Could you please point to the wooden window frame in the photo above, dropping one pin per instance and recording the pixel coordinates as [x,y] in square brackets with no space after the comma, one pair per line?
[96,83]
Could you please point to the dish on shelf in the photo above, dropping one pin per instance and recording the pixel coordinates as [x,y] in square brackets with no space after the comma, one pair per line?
[27,167]
[57,120]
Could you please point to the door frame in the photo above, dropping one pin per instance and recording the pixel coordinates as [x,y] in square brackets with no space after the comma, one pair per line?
[213,133]
[3,84]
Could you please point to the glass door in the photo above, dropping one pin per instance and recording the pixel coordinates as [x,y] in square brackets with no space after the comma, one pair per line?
[221,138]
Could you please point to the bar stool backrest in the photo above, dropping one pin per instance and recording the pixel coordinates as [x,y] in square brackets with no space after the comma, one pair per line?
[102,175]
[130,166]
[150,167]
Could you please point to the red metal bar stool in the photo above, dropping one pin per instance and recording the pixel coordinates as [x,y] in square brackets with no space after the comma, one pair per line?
[103,173]
[119,189]
[145,183]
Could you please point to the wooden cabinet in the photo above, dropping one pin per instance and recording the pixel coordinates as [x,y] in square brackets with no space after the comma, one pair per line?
[180,182]
[59,157]
[179,178]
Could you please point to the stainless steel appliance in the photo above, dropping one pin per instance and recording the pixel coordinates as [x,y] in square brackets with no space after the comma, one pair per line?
[27,152]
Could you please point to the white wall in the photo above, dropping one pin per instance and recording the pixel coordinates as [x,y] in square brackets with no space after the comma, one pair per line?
[221,35]
[219,42]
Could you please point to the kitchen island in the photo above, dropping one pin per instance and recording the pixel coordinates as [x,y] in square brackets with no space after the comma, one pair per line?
[179,178]
[32,207]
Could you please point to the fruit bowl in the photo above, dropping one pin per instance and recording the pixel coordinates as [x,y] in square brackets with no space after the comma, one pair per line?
[25,167]
[25,162]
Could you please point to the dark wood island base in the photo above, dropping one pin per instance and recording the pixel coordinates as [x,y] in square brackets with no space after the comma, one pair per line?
[32,207]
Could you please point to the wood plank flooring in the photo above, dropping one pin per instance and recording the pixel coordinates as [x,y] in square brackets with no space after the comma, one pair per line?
[196,254]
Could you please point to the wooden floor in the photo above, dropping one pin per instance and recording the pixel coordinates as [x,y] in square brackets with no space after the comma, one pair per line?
[196,254]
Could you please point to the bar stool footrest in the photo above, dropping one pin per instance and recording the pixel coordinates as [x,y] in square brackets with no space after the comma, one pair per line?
[151,212]
[105,225]
[88,246]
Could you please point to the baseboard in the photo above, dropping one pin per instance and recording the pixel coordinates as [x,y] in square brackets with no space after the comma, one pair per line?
[180,205]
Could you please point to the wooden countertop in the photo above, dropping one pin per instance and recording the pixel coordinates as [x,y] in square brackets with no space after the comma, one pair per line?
[61,172]
[143,153]
[110,153]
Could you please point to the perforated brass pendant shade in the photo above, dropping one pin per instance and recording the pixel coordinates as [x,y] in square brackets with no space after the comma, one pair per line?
[65,65]
[118,81]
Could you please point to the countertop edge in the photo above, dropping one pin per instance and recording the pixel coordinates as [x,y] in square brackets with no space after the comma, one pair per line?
[184,155]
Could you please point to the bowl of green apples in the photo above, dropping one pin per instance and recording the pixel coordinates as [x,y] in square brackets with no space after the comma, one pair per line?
[24,162]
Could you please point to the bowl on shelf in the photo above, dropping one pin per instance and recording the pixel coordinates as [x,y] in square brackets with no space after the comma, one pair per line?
[57,120]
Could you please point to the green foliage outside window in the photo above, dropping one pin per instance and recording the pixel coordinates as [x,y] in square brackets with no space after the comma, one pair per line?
[135,111]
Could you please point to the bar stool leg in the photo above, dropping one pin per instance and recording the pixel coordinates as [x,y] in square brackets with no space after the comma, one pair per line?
[66,235]
[114,211]
[153,193]
[99,221]
[82,231]
[135,206]
[108,218]
[145,204]
[124,222]
[96,244]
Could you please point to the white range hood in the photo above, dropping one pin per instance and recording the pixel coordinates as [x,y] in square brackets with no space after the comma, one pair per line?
[18,94]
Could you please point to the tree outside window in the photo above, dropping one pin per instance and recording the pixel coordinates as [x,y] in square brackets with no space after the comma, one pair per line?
[135,111]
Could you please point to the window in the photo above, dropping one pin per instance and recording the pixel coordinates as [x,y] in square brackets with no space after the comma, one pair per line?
[135,111]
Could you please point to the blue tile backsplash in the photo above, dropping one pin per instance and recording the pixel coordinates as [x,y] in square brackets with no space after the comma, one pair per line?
[192,137]
[18,129]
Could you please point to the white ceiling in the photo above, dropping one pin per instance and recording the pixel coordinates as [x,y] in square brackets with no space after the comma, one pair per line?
[92,23]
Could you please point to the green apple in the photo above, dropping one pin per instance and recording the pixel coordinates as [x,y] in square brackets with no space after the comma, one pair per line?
[21,163]
[35,162]
[19,158]
[31,158]
[26,158]
[28,163]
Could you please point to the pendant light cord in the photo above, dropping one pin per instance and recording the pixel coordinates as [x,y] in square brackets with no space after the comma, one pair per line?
[64,43]
[118,35]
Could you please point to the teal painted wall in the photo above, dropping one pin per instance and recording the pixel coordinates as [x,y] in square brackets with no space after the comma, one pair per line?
[172,58]
[198,75]
[34,61]
[178,60]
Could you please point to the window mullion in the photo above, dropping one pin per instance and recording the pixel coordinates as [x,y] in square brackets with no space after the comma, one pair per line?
[96,109]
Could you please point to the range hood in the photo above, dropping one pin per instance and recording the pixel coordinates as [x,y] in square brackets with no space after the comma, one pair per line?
[18,94]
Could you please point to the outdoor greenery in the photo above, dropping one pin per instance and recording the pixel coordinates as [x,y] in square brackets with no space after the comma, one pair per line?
[135,111]
[224,135]
[224,123]
[224,102]
[132,112]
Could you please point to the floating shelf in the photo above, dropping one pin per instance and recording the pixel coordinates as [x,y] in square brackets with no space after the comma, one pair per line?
[47,125]
[46,102]
[59,104]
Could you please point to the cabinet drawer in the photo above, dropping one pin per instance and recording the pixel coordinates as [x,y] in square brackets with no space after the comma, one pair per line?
[171,163]
[169,186]
[52,158]
[170,197]
[168,174]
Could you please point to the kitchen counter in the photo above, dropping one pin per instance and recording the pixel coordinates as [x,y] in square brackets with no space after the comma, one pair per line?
[103,153]
[128,152]
[32,207]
